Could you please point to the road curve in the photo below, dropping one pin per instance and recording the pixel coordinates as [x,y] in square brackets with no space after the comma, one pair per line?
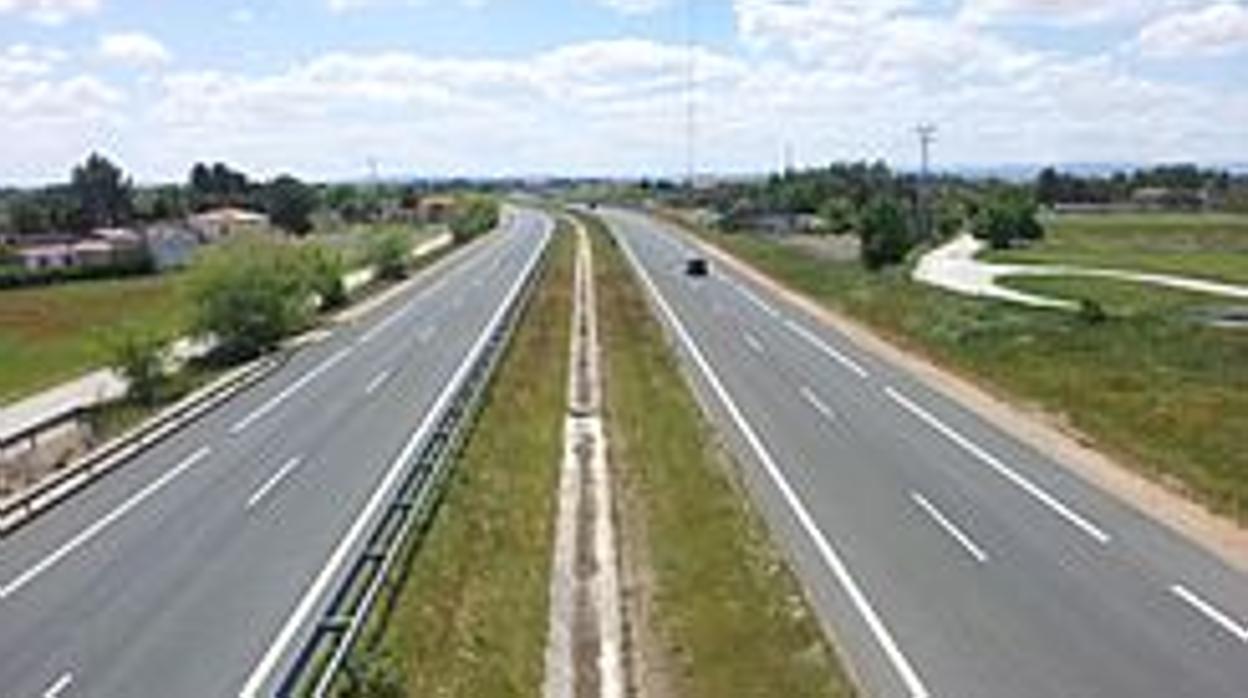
[949,559]
[180,574]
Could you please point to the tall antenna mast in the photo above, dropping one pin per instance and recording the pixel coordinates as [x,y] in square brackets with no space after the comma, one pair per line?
[690,99]
[927,134]
[372,172]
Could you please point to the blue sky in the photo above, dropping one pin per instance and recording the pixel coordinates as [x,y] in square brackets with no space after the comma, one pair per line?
[438,87]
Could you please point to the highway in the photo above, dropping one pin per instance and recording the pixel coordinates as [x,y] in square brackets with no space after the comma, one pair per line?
[198,568]
[947,558]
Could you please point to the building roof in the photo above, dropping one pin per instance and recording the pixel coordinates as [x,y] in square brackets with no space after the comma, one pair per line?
[123,235]
[230,216]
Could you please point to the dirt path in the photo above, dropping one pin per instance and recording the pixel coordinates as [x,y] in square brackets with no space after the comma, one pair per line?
[955,267]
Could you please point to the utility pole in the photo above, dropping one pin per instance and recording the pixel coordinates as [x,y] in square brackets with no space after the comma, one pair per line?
[927,134]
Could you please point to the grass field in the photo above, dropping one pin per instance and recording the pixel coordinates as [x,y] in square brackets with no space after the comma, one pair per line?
[54,333]
[1209,246]
[1164,394]
[727,614]
[471,617]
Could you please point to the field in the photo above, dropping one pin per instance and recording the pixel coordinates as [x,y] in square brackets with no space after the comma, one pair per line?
[725,617]
[1209,246]
[1162,393]
[470,618]
[54,333]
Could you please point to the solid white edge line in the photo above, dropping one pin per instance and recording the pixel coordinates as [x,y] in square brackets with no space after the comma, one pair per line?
[820,406]
[376,382]
[1211,612]
[962,538]
[832,559]
[59,685]
[1080,522]
[277,477]
[102,523]
[818,342]
[272,403]
[260,674]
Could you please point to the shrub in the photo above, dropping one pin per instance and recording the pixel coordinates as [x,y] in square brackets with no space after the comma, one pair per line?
[374,675]
[390,252]
[325,268]
[1006,219]
[1091,312]
[250,293]
[140,358]
[473,216]
[886,239]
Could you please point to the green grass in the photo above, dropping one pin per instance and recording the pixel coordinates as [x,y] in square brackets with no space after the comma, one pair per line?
[1210,246]
[1162,393]
[728,614]
[470,619]
[54,333]
[1121,298]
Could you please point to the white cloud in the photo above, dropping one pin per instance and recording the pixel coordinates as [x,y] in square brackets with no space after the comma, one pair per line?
[49,11]
[23,62]
[837,78]
[1062,11]
[636,7]
[1216,29]
[134,48]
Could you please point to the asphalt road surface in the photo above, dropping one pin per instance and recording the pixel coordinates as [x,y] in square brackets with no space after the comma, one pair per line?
[950,559]
[198,568]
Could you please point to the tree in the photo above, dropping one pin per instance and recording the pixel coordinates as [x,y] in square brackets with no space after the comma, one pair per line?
[140,358]
[27,215]
[838,215]
[473,216]
[249,293]
[105,198]
[218,185]
[389,251]
[1048,187]
[1005,219]
[886,238]
[290,203]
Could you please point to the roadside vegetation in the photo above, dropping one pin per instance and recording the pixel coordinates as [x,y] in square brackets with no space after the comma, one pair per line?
[51,334]
[721,615]
[1201,245]
[470,617]
[1148,383]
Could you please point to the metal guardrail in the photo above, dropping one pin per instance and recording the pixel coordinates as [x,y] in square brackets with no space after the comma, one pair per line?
[19,508]
[325,655]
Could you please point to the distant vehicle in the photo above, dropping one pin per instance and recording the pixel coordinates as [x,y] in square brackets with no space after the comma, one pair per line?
[697,266]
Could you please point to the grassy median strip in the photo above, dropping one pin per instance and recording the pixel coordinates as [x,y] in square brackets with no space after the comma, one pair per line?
[1151,385]
[725,614]
[470,619]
